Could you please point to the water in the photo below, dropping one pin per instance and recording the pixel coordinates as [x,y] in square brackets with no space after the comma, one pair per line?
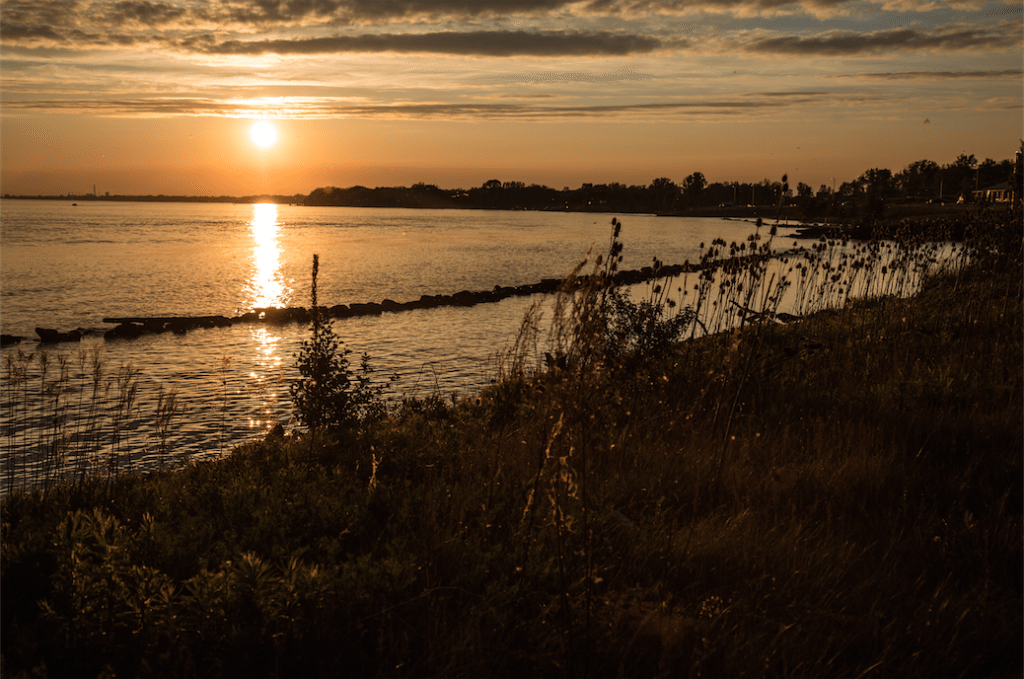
[67,267]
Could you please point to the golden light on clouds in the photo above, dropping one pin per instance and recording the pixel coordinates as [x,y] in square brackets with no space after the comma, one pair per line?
[455,93]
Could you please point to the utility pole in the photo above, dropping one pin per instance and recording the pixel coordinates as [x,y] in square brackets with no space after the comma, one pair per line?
[1015,196]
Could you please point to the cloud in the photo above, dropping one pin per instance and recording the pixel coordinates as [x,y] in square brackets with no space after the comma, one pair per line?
[839,43]
[937,75]
[29,19]
[476,43]
[326,107]
[367,12]
[740,8]
[466,27]
[141,13]
[622,75]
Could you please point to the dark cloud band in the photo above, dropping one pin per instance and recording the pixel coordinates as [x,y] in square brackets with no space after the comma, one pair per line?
[478,43]
[849,43]
[938,75]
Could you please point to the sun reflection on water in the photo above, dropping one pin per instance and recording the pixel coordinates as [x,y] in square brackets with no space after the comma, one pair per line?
[267,286]
[266,380]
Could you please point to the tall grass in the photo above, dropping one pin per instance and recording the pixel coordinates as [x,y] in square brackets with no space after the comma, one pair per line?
[77,421]
[835,496]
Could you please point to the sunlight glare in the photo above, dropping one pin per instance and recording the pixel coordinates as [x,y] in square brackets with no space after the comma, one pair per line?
[263,133]
[266,283]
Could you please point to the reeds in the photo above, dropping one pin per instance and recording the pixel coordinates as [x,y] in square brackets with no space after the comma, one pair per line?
[77,422]
[834,496]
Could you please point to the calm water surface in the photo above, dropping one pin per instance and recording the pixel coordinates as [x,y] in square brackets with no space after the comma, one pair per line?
[66,267]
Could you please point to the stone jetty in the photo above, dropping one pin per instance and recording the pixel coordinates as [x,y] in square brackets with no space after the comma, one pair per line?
[132,327]
[48,336]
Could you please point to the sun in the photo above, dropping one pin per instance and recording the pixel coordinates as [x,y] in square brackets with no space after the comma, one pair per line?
[263,134]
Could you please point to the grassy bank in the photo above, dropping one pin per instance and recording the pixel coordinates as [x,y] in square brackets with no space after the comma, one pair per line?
[831,498]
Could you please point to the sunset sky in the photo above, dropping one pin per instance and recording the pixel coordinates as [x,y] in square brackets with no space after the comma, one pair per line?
[159,96]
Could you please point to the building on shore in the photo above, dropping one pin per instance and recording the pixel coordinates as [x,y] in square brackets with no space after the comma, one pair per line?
[997,193]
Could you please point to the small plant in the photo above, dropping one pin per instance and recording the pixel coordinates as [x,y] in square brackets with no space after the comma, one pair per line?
[166,408]
[640,330]
[328,394]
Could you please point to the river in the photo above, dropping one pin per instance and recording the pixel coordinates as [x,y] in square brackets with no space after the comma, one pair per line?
[65,266]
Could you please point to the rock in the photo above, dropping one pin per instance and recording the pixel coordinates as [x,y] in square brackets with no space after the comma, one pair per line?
[465,298]
[48,336]
[212,322]
[179,326]
[9,339]
[502,292]
[549,285]
[279,316]
[125,331]
[367,309]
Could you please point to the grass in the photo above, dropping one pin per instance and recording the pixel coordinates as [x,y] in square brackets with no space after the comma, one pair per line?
[836,497]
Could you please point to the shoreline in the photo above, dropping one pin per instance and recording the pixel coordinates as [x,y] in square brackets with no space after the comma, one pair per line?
[894,210]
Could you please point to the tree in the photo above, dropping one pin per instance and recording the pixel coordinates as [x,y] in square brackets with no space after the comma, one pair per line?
[959,177]
[693,187]
[965,162]
[919,180]
[876,182]
[849,190]
[327,394]
[663,194]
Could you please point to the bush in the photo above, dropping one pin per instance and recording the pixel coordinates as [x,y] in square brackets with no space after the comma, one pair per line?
[328,394]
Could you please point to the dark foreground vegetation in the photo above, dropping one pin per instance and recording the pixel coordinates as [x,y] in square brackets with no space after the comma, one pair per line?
[836,497]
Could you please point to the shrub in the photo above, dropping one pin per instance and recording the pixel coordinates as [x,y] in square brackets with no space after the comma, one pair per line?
[328,393]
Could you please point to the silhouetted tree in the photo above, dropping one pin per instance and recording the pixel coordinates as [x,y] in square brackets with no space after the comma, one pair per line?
[919,180]
[959,177]
[664,194]
[693,187]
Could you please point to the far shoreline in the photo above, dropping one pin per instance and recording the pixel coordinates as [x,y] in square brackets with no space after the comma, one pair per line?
[727,212]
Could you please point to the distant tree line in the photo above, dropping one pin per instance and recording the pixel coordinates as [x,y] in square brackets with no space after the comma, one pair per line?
[866,196]
[921,181]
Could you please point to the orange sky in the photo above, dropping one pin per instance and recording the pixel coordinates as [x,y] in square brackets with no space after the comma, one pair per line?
[149,97]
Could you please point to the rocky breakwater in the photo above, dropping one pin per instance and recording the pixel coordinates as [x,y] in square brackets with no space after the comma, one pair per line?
[132,327]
